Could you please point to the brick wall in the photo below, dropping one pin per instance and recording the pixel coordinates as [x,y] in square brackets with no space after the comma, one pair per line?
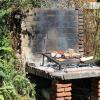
[62,91]
[95,89]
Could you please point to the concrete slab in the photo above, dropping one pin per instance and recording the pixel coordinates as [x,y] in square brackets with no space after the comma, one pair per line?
[72,73]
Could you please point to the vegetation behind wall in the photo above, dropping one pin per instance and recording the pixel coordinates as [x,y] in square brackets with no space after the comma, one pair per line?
[14,85]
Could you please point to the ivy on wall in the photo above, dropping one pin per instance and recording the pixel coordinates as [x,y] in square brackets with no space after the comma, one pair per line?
[12,79]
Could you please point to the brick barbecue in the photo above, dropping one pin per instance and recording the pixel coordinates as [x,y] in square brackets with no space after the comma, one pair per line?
[61,29]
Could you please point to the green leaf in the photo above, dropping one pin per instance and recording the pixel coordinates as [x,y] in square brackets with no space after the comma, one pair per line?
[7,49]
[1,97]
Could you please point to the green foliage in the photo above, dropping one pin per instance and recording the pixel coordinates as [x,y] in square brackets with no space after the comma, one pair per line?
[8,72]
[1,97]
[36,3]
[9,93]
[14,83]
[23,86]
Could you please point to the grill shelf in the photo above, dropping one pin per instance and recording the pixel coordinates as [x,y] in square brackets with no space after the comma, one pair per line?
[68,63]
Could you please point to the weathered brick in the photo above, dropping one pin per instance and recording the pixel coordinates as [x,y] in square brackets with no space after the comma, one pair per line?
[81,38]
[68,98]
[81,30]
[80,20]
[80,17]
[99,82]
[95,95]
[80,27]
[63,85]
[81,24]
[63,94]
[60,90]
[60,98]
[68,89]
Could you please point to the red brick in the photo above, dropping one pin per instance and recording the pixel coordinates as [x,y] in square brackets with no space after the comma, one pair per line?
[64,89]
[99,82]
[63,94]
[98,90]
[60,98]
[98,94]
[63,85]
[68,98]
[68,89]
[60,90]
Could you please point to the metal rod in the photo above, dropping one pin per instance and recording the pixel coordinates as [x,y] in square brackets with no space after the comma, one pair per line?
[51,60]
[43,61]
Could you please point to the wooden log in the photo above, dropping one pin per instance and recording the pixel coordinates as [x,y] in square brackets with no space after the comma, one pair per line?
[83,59]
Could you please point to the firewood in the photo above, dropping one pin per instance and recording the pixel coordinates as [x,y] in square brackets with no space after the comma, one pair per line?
[83,59]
